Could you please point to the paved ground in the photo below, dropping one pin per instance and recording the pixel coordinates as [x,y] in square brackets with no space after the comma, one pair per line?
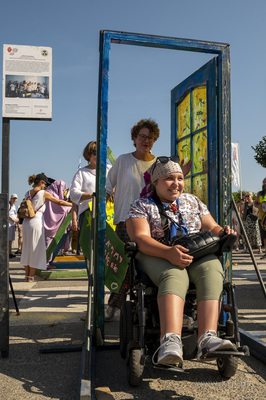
[50,315]
[250,298]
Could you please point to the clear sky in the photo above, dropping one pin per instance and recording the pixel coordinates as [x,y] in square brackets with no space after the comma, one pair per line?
[140,78]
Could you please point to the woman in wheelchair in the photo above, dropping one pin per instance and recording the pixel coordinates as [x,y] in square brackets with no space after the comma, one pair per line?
[170,267]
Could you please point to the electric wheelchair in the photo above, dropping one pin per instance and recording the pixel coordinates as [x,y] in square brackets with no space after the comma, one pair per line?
[140,327]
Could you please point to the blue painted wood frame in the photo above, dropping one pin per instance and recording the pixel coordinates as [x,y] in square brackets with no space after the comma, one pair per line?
[222,50]
[206,75]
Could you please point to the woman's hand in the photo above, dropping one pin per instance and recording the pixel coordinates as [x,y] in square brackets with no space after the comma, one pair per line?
[86,196]
[74,225]
[177,255]
[226,230]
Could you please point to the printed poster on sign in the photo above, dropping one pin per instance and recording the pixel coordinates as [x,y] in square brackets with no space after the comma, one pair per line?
[27,82]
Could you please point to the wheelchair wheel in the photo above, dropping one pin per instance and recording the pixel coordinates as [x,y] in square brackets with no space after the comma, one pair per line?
[227,366]
[126,326]
[135,369]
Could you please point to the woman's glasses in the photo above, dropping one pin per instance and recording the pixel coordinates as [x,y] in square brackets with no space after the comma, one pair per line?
[94,152]
[144,138]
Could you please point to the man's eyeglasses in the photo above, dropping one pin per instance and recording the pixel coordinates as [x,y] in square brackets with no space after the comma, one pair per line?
[94,152]
[144,138]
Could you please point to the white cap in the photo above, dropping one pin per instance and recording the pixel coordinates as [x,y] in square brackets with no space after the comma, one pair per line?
[14,196]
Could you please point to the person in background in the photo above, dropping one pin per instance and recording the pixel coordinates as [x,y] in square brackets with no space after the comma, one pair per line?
[34,250]
[250,221]
[13,221]
[236,227]
[260,202]
[126,177]
[20,236]
[170,267]
[54,214]
[83,185]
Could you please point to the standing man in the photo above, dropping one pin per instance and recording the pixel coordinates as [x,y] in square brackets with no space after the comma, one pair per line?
[260,202]
[13,220]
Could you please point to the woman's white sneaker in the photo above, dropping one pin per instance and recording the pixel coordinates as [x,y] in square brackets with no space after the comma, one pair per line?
[170,352]
[211,342]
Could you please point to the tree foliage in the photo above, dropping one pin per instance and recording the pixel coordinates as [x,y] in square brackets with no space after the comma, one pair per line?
[260,150]
[237,195]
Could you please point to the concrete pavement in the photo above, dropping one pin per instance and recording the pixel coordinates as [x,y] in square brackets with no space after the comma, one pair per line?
[50,315]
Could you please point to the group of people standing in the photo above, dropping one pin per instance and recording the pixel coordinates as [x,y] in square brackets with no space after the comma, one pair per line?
[133,181]
[252,212]
[129,174]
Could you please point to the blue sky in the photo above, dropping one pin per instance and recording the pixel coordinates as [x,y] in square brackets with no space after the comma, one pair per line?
[140,78]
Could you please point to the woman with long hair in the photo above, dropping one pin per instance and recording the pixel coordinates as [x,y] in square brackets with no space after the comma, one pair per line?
[34,250]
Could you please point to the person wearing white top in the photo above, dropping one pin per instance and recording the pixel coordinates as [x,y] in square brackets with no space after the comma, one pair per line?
[83,185]
[34,250]
[13,220]
[126,176]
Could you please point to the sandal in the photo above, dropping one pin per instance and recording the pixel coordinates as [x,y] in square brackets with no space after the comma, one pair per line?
[34,278]
[50,266]
[26,278]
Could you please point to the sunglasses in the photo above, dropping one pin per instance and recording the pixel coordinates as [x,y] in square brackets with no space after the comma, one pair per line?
[165,159]
[94,152]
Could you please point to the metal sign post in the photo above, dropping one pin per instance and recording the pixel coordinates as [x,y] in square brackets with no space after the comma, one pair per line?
[4,258]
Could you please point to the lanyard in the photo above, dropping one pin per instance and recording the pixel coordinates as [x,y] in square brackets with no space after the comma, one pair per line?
[180,227]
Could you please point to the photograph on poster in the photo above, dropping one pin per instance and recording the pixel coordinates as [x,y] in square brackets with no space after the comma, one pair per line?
[23,86]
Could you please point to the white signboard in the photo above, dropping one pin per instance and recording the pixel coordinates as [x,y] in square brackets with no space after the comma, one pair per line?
[27,82]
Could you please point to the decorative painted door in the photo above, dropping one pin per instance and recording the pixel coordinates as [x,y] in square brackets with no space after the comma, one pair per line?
[194,133]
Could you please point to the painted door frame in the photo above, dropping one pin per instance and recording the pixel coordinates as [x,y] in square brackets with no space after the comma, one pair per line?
[222,50]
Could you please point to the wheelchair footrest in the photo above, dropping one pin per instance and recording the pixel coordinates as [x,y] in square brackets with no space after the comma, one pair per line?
[169,368]
[221,354]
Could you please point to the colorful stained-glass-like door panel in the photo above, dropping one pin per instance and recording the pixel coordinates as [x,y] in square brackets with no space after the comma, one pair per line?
[200,152]
[200,187]
[192,144]
[194,132]
[184,117]
[187,187]
[184,150]
[199,106]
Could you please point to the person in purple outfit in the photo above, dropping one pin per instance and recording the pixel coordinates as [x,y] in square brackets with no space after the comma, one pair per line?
[54,214]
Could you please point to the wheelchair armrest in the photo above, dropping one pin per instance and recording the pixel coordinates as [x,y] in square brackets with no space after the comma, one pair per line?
[226,243]
[131,248]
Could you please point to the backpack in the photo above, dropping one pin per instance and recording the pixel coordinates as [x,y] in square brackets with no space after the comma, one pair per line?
[26,210]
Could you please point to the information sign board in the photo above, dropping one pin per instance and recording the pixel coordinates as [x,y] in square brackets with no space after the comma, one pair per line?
[27,82]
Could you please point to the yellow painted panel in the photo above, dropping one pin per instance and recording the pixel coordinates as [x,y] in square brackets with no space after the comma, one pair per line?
[187,188]
[200,152]
[183,117]
[200,187]
[183,150]
[199,101]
